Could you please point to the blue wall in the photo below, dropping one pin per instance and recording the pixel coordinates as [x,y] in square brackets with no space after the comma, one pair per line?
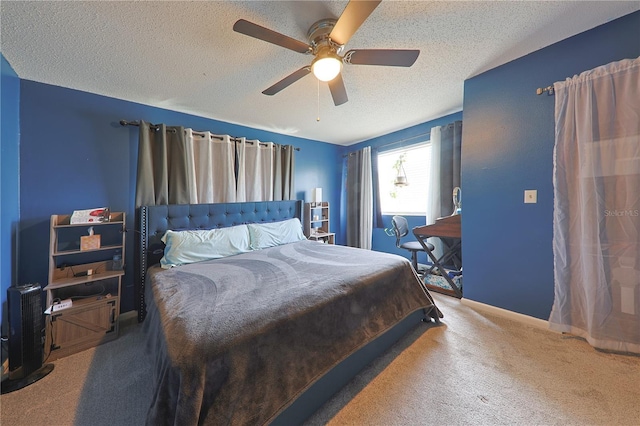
[74,155]
[507,147]
[9,180]
[401,138]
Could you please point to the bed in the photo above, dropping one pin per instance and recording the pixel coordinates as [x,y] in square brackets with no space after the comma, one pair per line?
[265,336]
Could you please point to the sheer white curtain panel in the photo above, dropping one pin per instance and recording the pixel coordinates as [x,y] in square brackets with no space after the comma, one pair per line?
[596,219]
[213,166]
[366,205]
[433,192]
[255,170]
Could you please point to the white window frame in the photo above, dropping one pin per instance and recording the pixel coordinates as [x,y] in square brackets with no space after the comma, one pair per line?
[417,170]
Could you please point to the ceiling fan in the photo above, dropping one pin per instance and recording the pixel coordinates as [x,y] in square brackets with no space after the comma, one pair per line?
[327,39]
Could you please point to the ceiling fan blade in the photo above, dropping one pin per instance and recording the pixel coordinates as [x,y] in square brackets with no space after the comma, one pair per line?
[262,33]
[390,57]
[287,81]
[338,91]
[352,17]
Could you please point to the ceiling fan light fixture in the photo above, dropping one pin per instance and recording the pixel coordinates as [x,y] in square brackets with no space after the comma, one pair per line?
[326,67]
[326,41]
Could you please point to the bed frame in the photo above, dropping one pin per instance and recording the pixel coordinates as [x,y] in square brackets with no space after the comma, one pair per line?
[154,221]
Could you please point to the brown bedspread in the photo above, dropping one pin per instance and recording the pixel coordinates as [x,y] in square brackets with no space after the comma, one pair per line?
[236,340]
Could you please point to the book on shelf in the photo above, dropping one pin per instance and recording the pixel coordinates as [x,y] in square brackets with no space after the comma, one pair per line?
[96,215]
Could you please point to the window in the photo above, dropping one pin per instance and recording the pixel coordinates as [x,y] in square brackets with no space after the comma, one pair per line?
[412,198]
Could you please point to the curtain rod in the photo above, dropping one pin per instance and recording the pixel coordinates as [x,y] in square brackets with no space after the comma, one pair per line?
[156,126]
[137,123]
[548,89]
[393,143]
[404,140]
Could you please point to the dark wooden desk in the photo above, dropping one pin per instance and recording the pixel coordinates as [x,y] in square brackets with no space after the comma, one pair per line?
[445,227]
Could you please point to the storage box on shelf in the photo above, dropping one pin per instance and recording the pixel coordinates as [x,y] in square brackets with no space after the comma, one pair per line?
[316,222]
[86,275]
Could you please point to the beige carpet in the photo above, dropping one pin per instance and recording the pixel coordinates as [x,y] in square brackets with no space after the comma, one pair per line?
[479,369]
[474,369]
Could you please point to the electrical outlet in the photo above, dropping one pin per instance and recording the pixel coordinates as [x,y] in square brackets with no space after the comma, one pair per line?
[530,196]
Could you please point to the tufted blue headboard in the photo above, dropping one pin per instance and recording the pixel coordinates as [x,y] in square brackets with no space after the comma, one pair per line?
[154,221]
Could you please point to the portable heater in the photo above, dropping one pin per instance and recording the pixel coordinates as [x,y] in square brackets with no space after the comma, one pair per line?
[26,323]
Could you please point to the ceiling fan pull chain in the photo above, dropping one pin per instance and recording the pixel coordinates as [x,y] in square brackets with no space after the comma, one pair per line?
[318,118]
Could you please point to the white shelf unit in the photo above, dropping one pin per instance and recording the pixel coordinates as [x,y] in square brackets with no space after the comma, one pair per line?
[316,222]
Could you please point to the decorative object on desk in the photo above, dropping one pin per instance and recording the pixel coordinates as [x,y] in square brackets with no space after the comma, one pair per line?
[90,216]
[90,242]
[317,196]
[457,201]
[401,174]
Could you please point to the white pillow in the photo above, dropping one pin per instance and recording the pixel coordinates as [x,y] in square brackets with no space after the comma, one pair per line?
[272,234]
[184,247]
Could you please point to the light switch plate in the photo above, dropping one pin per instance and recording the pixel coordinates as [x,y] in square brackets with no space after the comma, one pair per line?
[530,196]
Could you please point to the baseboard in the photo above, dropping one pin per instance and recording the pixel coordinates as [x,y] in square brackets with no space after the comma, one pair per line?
[504,313]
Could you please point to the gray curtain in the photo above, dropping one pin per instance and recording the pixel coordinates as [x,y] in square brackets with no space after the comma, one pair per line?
[163,173]
[283,176]
[359,199]
[450,147]
[168,162]
[377,208]
[446,145]
[255,170]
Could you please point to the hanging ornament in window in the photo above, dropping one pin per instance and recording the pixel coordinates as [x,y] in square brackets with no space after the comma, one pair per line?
[401,174]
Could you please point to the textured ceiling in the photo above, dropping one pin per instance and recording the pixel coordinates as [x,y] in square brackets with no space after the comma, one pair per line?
[184,56]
